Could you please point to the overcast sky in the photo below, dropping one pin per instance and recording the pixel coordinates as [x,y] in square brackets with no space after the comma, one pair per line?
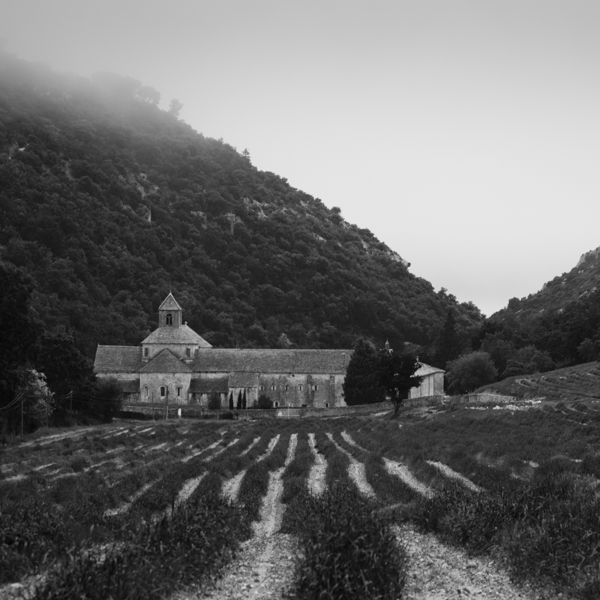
[465,134]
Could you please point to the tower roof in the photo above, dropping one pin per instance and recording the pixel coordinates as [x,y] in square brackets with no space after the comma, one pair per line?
[176,335]
[169,303]
[165,362]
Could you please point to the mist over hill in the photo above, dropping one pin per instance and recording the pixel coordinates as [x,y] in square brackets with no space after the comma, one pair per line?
[108,202]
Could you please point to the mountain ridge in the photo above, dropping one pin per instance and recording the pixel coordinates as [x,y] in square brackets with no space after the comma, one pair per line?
[108,202]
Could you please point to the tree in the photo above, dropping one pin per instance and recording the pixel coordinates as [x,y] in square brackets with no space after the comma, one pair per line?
[397,375]
[448,342]
[68,372]
[470,371]
[264,402]
[362,384]
[231,401]
[175,107]
[19,332]
[214,401]
[107,400]
[244,400]
[239,400]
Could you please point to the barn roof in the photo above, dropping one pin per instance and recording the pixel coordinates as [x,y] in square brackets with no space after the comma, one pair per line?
[229,360]
[118,359]
[424,370]
[165,362]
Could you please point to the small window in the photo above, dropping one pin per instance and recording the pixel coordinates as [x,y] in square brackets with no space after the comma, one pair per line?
[262,387]
[188,352]
[315,387]
[326,404]
[169,319]
[146,391]
[273,387]
[287,387]
[179,392]
[300,387]
[163,391]
[146,351]
[276,404]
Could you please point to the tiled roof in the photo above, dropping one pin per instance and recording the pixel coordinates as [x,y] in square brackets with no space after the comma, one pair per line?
[243,380]
[229,360]
[206,386]
[427,370]
[165,362]
[169,303]
[176,335]
[118,359]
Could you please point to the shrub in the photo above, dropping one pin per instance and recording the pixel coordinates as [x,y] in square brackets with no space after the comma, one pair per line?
[264,402]
[348,552]
[214,401]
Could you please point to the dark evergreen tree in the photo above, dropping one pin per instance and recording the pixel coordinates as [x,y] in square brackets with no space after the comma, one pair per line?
[448,342]
[244,400]
[362,384]
[239,400]
[231,401]
[397,375]
[19,332]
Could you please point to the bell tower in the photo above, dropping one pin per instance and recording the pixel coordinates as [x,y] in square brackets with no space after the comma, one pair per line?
[170,313]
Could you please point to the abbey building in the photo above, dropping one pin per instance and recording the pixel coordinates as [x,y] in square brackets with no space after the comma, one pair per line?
[177,366]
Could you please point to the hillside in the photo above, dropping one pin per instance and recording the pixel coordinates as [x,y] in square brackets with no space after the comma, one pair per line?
[108,202]
[581,382]
[580,281]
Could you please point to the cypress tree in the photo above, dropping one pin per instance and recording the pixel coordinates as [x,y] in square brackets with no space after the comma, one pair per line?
[239,400]
[362,384]
[244,400]
[230,400]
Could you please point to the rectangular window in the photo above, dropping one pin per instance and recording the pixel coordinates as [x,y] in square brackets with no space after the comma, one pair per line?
[300,387]
[315,387]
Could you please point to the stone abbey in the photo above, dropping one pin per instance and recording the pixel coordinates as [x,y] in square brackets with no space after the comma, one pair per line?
[174,364]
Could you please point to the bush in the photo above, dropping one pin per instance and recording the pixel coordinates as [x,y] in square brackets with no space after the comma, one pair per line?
[264,402]
[214,401]
[348,552]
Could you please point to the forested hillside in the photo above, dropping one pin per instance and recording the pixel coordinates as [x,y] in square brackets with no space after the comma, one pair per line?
[108,202]
[561,321]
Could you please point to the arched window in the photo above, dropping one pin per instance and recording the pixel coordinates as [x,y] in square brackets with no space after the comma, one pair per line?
[276,404]
[163,391]
[300,387]
[169,319]
[326,404]
[146,393]
[273,387]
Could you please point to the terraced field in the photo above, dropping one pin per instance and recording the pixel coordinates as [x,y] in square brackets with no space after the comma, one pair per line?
[438,504]
[570,384]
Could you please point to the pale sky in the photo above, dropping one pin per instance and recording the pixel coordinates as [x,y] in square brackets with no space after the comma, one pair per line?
[465,134]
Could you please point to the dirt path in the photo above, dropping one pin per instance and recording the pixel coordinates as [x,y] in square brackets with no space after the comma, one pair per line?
[264,568]
[316,476]
[452,474]
[357,471]
[438,572]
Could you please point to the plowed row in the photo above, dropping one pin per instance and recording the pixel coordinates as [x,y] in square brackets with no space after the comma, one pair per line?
[239,510]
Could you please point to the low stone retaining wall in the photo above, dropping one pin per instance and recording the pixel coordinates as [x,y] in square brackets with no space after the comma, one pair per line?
[158,411]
